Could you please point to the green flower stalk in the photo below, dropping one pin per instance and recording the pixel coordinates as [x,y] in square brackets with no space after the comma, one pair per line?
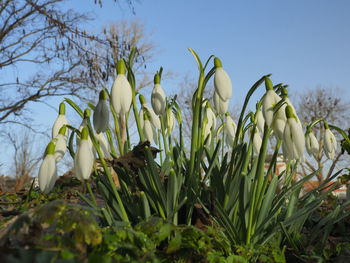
[60,121]
[48,171]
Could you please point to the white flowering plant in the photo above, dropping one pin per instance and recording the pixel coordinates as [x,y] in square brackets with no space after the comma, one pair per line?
[224,172]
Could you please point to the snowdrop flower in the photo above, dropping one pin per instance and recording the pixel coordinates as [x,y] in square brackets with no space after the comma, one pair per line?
[83,124]
[257,141]
[293,137]
[312,146]
[84,157]
[48,171]
[222,81]
[269,101]
[153,117]
[158,99]
[148,130]
[279,121]
[219,104]
[121,93]
[209,122]
[330,143]
[61,144]
[60,121]
[230,129]
[105,148]
[170,120]
[101,113]
[260,121]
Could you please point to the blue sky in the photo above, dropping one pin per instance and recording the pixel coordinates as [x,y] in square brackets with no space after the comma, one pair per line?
[303,43]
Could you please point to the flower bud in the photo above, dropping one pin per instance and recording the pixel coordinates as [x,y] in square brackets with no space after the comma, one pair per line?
[312,146]
[61,144]
[222,81]
[330,143]
[60,121]
[158,98]
[121,92]
[48,171]
[101,114]
[260,121]
[230,129]
[293,137]
[105,148]
[84,157]
[257,141]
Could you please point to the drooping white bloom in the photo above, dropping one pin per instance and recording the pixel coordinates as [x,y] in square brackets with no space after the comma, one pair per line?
[84,157]
[222,81]
[210,115]
[158,98]
[121,93]
[230,130]
[148,130]
[330,143]
[219,104]
[154,118]
[279,121]
[83,124]
[269,101]
[105,148]
[170,120]
[48,171]
[101,114]
[60,121]
[312,146]
[257,141]
[293,137]
[61,144]
[260,122]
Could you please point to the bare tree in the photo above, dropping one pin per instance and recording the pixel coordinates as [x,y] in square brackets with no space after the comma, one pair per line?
[24,158]
[328,104]
[44,53]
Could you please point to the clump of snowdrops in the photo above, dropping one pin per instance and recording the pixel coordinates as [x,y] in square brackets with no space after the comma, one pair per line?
[220,170]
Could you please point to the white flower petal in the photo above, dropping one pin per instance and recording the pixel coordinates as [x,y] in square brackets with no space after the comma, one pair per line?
[121,94]
[84,160]
[260,121]
[60,121]
[103,144]
[101,116]
[220,105]
[47,173]
[61,146]
[269,101]
[222,83]
[158,99]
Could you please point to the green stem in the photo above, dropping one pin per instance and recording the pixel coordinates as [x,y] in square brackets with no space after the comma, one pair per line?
[123,215]
[90,192]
